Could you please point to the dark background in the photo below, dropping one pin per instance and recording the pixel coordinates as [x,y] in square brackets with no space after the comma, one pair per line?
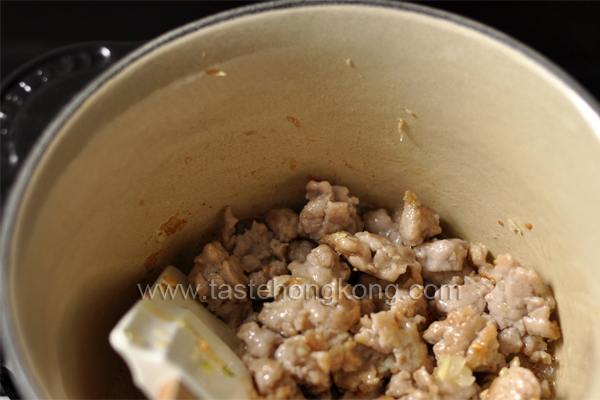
[566,32]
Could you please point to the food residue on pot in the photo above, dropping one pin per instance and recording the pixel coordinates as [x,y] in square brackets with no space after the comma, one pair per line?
[400,129]
[294,121]
[173,225]
[250,133]
[410,112]
[150,262]
[514,227]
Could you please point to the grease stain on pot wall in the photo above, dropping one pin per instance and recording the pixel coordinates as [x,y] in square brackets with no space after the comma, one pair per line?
[170,227]
[294,121]
[150,262]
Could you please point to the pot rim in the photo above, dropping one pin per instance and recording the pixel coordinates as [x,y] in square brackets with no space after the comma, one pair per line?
[12,347]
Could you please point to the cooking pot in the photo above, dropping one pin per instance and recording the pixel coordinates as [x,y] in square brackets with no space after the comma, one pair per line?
[242,109]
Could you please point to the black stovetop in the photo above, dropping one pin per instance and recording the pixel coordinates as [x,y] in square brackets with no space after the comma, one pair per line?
[566,32]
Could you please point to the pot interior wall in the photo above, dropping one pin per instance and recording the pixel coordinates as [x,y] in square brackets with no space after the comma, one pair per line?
[489,136]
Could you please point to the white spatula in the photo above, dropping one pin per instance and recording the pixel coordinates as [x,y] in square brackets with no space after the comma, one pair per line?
[169,340]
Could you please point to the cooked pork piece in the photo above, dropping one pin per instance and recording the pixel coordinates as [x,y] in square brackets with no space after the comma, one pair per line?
[514,383]
[380,223]
[330,209]
[466,333]
[284,224]
[417,222]
[373,254]
[332,304]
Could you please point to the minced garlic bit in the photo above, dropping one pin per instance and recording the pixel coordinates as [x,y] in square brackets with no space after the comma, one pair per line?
[410,112]
[216,72]
[350,62]
[483,395]
[160,236]
[453,369]
[400,129]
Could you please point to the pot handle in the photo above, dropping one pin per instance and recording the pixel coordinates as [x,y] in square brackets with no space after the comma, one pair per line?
[30,99]
[35,93]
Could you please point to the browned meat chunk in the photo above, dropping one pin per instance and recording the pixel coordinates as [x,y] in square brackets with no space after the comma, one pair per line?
[322,265]
[522,300]
[284,224]
[417,222]
[260,342]
[442,255]
[466,333]
[373,254]
[352,318]
[228,228]
[298,309]
[215,267]
[472,293]
[272,380]
[478,257]
[514,383]
[298,250]
[330,209]
[390,332]
[380,223]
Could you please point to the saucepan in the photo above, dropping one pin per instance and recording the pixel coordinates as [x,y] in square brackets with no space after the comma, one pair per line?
[242,109]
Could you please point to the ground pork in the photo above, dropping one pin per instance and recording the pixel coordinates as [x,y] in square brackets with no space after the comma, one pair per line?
[322,265]
[272,380]
[330,209]
[307,359]
[380,223]
[368,376]
[390,332]
[381,295]
[284,223]
[478,255]
[445,257]
[257,245]
[260,342]
[298,250]
[417,222]
[514,383]
[446,385]
[521,300]
[258,280]
[472,293]
[374,254]
[228,222]
[348,317]
[466,333]
[298,308]
[216,271]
